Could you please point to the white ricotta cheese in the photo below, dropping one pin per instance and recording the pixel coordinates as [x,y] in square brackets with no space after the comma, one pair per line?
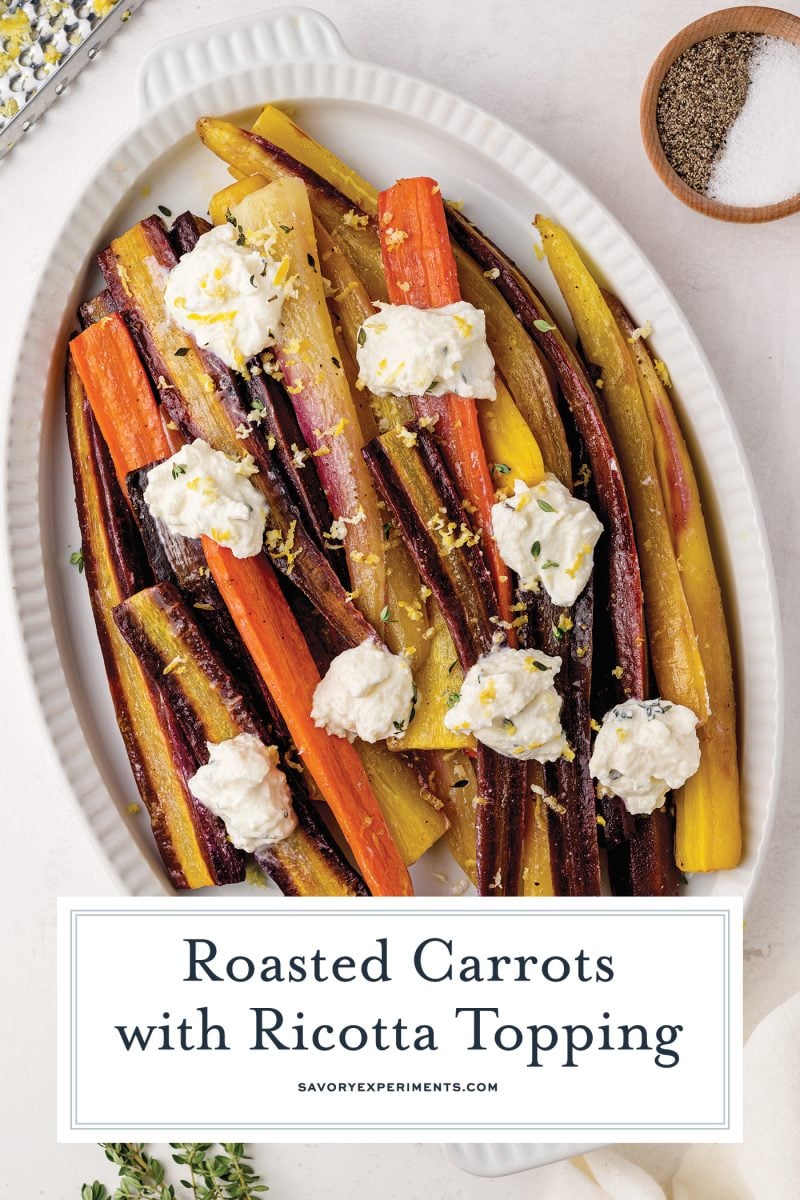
[242,784]
[509,702]
[547,536]
[368,692]
[228,295]
[644,749]
[202,491]
[405,351]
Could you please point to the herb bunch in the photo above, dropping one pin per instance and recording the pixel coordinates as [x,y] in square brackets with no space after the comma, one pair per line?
[225,1174]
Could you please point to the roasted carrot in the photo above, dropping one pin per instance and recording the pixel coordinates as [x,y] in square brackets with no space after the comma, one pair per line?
[674,652]
[270,631]
[306,352]
[421,270]
[228,197]
[120,395]
[415,244]
[708,833]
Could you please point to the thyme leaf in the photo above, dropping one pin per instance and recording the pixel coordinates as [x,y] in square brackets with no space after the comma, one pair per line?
[231,219]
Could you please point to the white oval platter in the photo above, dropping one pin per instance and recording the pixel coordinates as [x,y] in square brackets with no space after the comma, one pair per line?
[387,125]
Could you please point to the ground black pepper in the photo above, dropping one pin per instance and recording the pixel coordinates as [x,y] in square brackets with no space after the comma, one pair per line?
[699,99]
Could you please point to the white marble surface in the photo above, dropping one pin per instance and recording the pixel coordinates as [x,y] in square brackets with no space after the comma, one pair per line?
[569,73]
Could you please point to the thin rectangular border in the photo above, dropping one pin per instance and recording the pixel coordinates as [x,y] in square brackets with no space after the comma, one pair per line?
[225,909]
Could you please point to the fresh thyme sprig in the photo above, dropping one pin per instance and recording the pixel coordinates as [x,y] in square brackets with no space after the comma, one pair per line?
[212,1176]
[141,1177]
[226,1176]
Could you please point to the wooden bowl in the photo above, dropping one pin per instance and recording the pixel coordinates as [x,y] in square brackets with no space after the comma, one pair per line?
[748,18]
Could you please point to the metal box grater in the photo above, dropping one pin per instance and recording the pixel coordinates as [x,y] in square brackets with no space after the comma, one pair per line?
[43,45]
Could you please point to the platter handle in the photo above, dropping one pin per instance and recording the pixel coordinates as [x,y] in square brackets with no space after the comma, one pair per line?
[176,66]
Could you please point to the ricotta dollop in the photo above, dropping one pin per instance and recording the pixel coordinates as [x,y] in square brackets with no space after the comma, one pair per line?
[405,351]
[228,295]
[202,491]
[547,536]
[368,692]
[242,784]
[644,749]
[509,702]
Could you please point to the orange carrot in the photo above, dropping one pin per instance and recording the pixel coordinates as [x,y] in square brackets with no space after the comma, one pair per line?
[423,258]
[420,269]
[269,630]
[120,395]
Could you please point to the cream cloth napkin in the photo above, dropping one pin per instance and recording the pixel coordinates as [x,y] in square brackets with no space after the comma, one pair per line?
[765,1167]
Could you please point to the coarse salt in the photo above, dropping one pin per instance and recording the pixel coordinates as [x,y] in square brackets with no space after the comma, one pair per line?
[760,162]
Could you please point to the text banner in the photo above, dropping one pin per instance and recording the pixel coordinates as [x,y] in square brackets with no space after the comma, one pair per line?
[400,1020]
